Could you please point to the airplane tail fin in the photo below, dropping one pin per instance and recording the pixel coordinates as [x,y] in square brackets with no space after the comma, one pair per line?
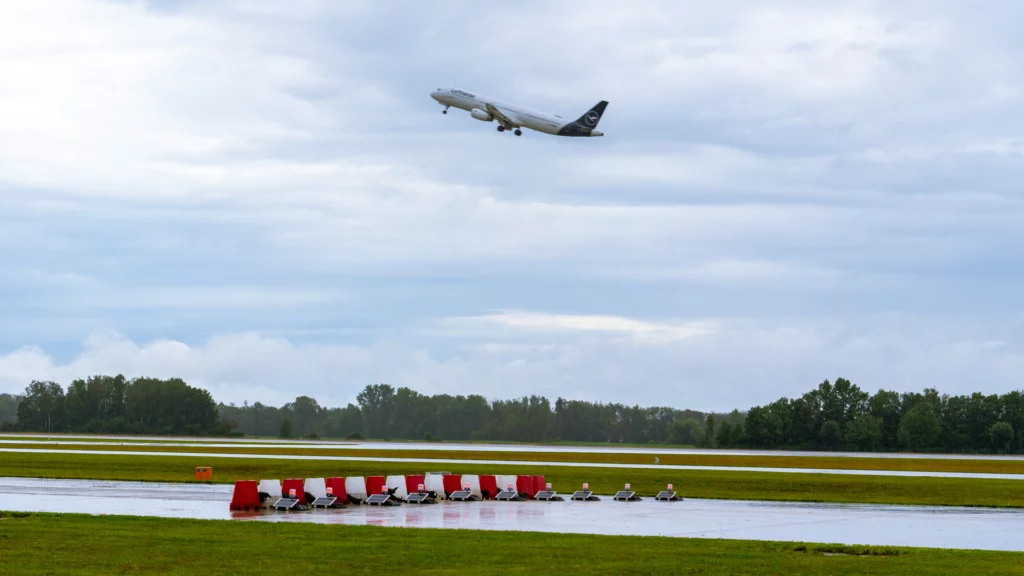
[593,116]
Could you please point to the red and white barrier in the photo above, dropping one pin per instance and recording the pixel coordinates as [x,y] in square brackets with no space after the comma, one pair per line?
[488,486]
[472,481]
[375,484]
[273,488]
[317,487]
[397,483]
[435,484]
[505,480]
[337,488]
[246,495]
[355,486]
[296,486]
[412,483]
[452,483]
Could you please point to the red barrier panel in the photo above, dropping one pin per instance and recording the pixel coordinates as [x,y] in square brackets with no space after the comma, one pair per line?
[539,485]
[246,496]
[524,484]
[336,487]
[489,487]
[375,485]
[297,484]
[452,483]
[412,483]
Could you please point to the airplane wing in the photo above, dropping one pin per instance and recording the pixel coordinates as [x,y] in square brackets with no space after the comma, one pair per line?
[501,117]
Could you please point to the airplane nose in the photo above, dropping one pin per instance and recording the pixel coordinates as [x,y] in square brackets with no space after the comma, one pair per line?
[435,95]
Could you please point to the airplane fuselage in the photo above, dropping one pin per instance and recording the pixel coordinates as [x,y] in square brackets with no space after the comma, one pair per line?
[513,116]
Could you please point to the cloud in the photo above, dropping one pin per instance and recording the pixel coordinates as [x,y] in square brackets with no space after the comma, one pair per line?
[204,179]
[736,364]
[637,330]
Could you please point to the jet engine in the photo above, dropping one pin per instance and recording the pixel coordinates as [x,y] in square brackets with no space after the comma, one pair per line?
[481,115]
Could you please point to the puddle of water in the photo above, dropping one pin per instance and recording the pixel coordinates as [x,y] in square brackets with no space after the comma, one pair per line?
[531,464]
[445,446]
[935,527]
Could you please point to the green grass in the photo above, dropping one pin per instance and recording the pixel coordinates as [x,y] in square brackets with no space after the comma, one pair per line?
[37,544]
[762,461]
[689,483]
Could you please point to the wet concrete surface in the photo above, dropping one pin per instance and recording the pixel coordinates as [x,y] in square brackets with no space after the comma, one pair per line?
[933,527]
[527,463]
[19,438]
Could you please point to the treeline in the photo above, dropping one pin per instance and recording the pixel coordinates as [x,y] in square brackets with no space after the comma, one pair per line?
[116,405]
[842,416]
[837,416]
[382,412]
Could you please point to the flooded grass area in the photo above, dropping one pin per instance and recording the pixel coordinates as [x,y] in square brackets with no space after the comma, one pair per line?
[612,456]
[716,484]
[80,544]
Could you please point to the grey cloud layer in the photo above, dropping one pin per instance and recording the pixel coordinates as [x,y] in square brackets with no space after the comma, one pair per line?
[796,175]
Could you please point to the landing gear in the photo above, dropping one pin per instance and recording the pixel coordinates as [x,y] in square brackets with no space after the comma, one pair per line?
[445,111]
[501,128]
[518,132]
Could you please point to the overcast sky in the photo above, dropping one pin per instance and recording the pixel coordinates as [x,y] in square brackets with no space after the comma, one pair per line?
[259,196]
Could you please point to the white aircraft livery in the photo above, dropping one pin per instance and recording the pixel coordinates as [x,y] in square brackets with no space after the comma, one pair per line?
[513,117]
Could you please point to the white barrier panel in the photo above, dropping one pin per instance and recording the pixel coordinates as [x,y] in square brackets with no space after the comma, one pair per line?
[473,481]
[356,487]
[504,481]
[397,483]
[435,483]
[272,487]
[317,487]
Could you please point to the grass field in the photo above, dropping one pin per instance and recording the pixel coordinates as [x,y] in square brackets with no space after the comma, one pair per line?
[688,483]
[818,462]
[33,544]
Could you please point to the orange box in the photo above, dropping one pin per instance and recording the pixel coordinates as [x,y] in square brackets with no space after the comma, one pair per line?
[204,473]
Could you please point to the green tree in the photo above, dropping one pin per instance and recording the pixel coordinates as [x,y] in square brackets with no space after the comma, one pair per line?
[763,428]
[42,407]
[886,406]
[376,403]
[285,429]
[865,433]
[686,431]
[709,431]
[920,428]
[1001,434]
[725,437]
[831,435]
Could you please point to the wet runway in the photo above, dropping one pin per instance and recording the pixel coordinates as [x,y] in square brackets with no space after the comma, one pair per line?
[528,463]
[934,527]
[73,439]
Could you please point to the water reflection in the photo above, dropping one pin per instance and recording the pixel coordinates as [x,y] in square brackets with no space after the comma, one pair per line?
[847,523]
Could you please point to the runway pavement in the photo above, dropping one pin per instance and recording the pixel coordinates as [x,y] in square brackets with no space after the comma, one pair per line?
[936,527]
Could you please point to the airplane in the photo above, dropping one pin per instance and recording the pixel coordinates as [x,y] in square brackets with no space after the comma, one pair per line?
[513,117]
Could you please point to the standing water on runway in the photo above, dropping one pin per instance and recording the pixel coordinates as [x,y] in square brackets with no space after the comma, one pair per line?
[935,527]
